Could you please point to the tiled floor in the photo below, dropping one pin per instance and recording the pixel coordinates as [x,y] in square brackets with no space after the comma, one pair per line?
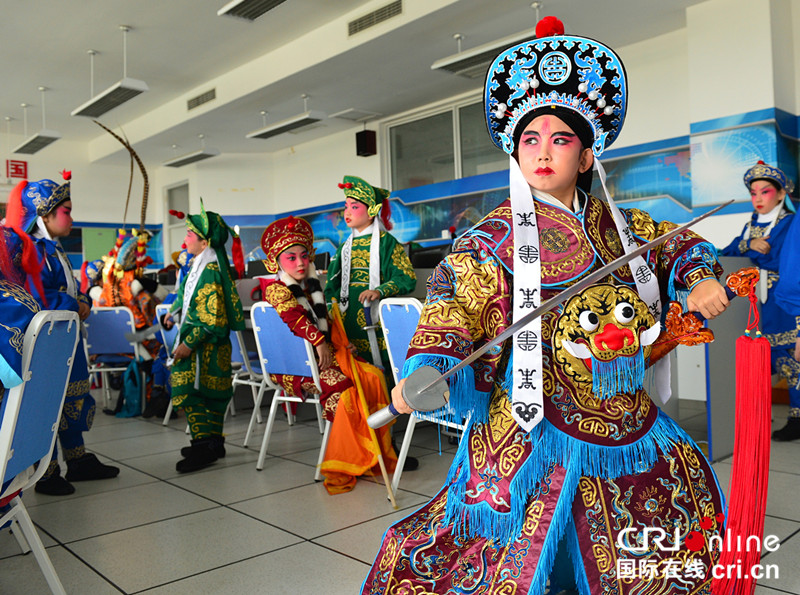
[231,529]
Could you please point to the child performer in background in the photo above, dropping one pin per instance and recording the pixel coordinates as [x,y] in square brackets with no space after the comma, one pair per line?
[207,308]
[369,266]
[296,295]
[44,209]
[762,241]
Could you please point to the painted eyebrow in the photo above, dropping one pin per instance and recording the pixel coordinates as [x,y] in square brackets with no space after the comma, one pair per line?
[557,133]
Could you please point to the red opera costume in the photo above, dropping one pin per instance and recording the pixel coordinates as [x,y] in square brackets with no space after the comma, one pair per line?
[350,452]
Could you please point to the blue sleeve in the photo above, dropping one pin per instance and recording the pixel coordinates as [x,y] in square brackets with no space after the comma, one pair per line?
[787,293]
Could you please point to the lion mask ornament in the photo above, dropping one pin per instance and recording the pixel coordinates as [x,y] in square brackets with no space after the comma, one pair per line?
[603,338]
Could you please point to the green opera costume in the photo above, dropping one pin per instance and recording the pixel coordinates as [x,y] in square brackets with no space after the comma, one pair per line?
[210,308]
[397,276]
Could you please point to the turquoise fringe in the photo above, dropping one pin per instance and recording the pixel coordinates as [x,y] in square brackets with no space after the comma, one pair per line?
[464,399]
[620,375]
[581,580]
[551,446]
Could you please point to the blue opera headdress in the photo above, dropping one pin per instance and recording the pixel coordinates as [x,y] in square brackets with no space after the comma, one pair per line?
[557,70]
[41,198]
[762,171]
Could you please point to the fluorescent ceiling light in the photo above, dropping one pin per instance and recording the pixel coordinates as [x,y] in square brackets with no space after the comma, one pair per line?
[248,9]
[474,63]
[37,142]
[299,121]
[191,157]
[114,96]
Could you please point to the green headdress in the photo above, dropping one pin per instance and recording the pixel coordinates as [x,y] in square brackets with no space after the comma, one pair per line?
[210,226]
[370,195]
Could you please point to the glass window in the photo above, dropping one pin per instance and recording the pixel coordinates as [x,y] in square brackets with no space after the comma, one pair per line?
[479,155]
[422,151]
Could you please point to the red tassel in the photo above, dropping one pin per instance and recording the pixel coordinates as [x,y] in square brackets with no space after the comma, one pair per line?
[549,26]
[747,502]
[238,256]
[14,209]
[386,214]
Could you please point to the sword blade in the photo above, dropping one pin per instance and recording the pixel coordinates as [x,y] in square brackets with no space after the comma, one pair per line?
[554,301]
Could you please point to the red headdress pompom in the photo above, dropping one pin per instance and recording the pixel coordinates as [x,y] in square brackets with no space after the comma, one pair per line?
[178,214]
[760,162]
[548,27]
[340,185]
[386,214]
[291,223]
[66,174]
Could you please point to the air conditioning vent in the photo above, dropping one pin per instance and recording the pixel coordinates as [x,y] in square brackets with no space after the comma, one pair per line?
[249,10]
[201,99]
[474,63]
[378,16]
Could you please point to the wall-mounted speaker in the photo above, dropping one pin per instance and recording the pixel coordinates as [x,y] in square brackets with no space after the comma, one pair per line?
[366,144]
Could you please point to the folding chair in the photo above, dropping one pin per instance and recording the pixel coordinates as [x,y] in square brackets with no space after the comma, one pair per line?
[399,319]
[105,330]
[30,416]
[247,371]
[281,352]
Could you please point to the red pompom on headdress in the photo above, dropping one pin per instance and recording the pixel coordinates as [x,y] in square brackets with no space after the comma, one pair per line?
[348,185]
[178,214]
[549,26]
[66,174]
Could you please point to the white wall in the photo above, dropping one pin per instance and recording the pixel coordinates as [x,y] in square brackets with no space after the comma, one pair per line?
[658,89]
[307,174]
[783,54]
[729,45]
[98,190]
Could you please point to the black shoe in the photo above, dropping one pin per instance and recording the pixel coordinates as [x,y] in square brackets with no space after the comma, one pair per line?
[88,468]
[160,400]
[55,485]
[791,431]
[217,446]
[410,464]
[149,410]
[201,455]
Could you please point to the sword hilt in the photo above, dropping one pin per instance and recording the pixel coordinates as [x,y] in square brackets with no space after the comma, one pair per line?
[368,317]
[420,391]
[731,293]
